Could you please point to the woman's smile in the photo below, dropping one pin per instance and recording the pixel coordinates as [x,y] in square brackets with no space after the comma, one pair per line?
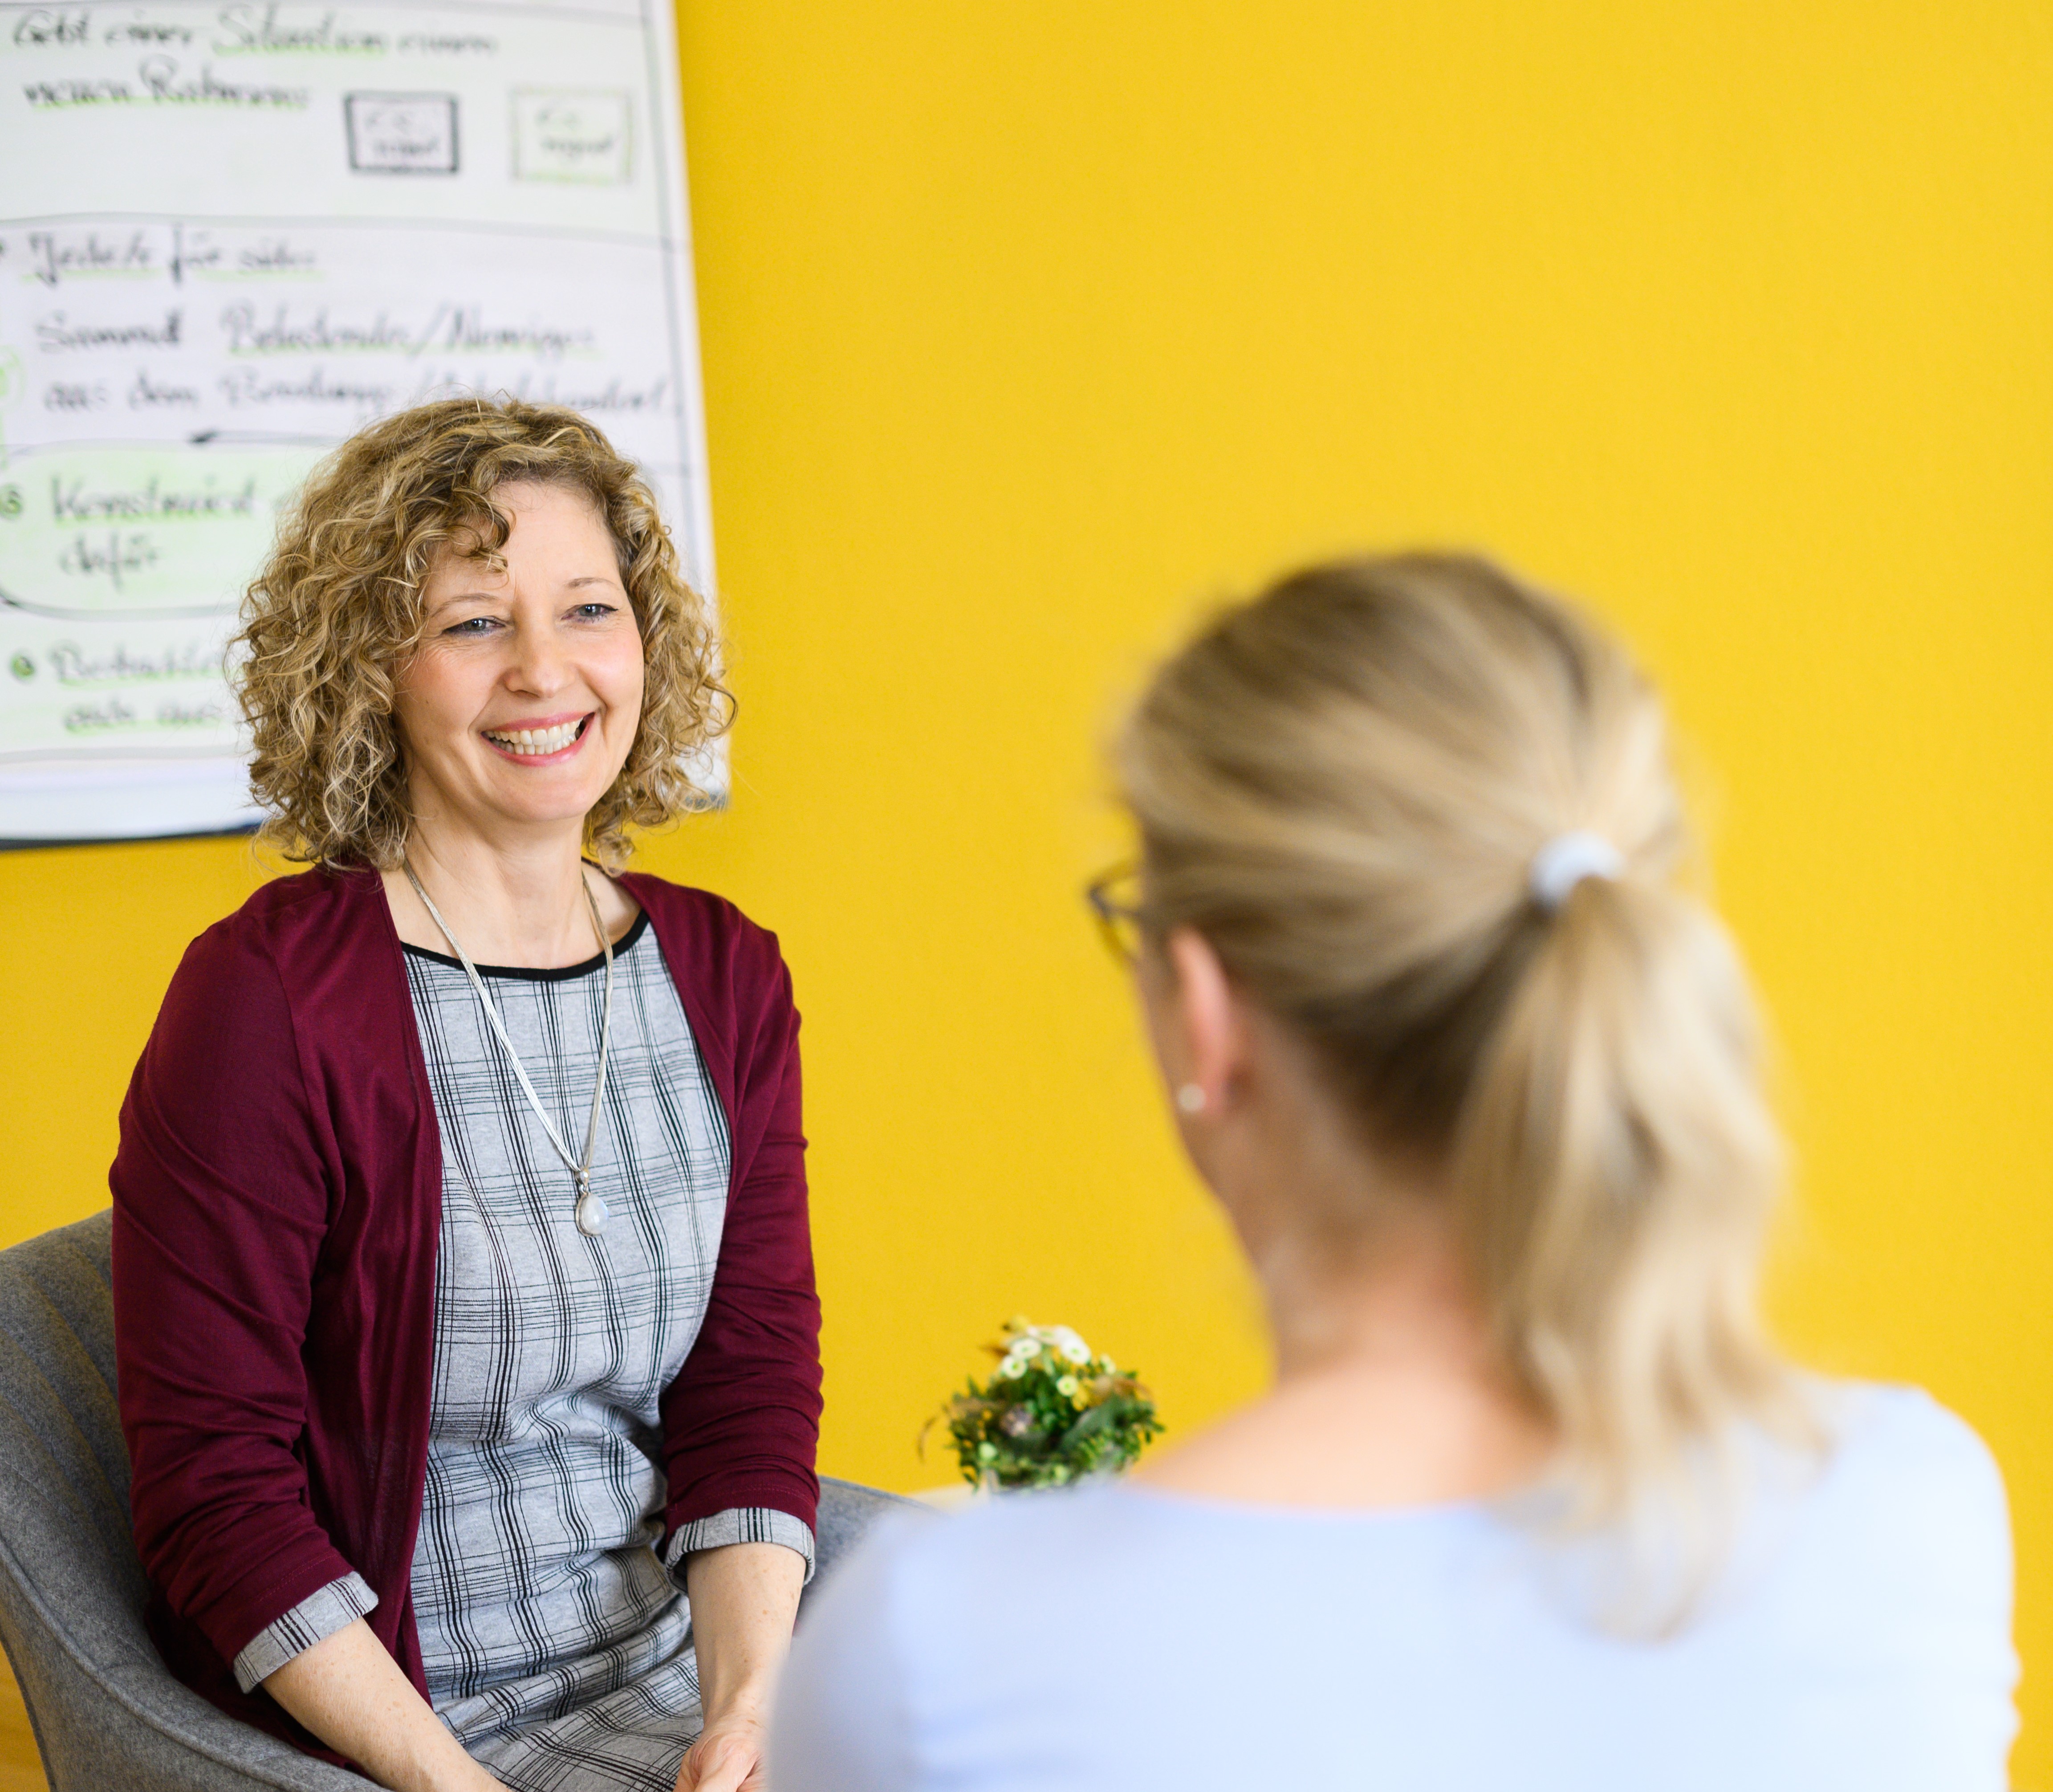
[540,739]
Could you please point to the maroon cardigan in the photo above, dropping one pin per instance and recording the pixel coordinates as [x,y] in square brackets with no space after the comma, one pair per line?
[277,1202]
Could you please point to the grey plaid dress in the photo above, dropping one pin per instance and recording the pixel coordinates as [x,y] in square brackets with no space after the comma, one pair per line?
[557,1647]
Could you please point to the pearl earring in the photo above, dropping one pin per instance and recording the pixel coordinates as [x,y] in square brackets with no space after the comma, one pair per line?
[1190,1098]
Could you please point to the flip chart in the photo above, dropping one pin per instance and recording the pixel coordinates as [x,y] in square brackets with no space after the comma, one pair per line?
[230,235]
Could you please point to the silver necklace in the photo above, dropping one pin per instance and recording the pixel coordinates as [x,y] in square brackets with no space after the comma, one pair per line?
[591,1211]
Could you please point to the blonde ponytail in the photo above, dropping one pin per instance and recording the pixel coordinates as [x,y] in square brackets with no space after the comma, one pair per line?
[1342,785]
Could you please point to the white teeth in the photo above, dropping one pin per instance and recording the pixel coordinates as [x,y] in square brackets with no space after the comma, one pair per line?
[528,742]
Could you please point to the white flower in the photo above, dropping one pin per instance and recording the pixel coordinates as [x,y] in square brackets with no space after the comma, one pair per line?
[1066,1386]
[1105,1367]
[1067,1342]
[1012,1368]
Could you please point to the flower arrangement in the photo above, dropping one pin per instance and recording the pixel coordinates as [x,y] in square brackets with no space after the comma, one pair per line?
[1052,1413]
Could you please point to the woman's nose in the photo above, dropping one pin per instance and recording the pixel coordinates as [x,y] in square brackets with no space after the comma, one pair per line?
[539,663]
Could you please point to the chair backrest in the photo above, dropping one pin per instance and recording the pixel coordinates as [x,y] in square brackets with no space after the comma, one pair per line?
[105,1710]
[60,1432]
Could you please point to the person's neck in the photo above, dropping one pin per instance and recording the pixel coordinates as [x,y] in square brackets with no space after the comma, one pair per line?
[1388,1303]
[514,900]
[1389,1389]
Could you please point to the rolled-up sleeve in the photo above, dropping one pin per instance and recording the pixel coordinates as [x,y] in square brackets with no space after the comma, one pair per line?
[760,1524]
[221,1191]
[315,1618]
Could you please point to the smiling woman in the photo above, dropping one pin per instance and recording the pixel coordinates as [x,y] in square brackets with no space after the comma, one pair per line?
[467,1336]
[408,517]
[521,702]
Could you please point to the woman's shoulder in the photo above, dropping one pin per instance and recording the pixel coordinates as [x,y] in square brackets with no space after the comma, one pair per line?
[1896,1446]
[318,906]
[699,929]
[1908,1508]
[1893,1576]
[1873,1629]
[289,930]
[688,905]
[1911,1500]
[263,1005]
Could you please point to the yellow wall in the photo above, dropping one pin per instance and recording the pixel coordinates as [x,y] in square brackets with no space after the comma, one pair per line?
[1027,327]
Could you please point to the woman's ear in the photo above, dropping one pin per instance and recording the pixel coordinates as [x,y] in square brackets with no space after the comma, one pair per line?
[1199,1036]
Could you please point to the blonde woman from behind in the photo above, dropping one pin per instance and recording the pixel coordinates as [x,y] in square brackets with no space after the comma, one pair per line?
[1533,1502]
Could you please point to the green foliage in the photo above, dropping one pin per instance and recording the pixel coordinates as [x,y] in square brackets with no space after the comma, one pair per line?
[1052,1413]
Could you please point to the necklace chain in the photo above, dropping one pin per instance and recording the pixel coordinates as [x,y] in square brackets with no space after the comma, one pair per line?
[591,1210]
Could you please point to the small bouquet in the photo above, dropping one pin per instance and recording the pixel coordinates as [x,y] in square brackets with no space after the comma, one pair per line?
[1051,1413]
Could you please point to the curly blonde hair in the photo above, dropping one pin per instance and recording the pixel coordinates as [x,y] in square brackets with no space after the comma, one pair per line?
[336,613]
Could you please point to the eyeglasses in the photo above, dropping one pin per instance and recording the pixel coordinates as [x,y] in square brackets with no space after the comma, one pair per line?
[1115,901]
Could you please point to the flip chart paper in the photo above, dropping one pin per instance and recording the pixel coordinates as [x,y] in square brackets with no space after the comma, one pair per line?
[232,234]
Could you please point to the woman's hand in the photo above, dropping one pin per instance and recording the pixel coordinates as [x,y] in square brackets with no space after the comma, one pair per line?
[728,1757]
[744,1598]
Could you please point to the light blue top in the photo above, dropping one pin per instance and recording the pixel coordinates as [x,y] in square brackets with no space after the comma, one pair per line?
[1114,1637]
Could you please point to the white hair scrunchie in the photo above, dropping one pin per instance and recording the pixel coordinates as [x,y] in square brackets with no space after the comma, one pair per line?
[1561,864]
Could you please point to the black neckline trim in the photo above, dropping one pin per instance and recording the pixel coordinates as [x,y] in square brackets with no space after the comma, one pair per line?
[527,973]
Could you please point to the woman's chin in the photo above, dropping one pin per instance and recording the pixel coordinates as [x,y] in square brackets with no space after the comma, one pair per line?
[535,800]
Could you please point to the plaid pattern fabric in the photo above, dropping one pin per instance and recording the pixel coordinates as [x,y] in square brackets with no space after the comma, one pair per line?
[556,1646]
[336,1606]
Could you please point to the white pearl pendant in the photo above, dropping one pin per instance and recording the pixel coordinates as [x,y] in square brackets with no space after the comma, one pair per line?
[592,1214]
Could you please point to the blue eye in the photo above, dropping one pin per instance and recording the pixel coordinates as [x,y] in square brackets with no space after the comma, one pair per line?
[593,612]
[474,625]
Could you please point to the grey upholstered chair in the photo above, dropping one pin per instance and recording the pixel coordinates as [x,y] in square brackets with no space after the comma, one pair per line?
[106,1712]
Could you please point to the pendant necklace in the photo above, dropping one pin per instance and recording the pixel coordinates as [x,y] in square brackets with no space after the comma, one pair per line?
[591,1209]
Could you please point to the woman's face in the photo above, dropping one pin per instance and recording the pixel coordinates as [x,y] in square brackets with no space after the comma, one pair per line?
[523,701]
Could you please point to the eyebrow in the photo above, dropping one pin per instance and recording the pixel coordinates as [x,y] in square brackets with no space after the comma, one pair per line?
[450,598]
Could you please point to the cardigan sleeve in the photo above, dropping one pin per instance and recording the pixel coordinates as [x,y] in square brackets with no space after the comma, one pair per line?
[741,1421]
[221,1192]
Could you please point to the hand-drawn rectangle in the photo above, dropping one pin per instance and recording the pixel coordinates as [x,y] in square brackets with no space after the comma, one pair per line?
[402,133]
[565,134]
